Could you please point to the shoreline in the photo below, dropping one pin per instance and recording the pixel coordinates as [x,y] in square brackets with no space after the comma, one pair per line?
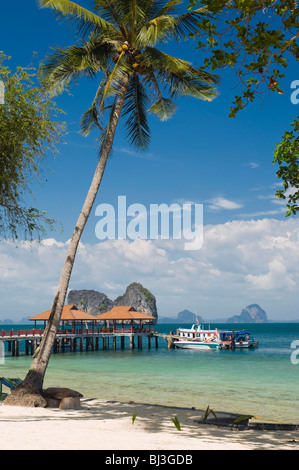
[107,425]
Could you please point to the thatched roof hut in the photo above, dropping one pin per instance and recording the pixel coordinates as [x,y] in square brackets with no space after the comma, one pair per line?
[70,313]
[125,313]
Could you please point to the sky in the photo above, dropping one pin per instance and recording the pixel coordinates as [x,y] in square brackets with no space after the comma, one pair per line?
[250,250]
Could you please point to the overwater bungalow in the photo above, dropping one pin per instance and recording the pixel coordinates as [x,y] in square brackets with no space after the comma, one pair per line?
[126,317]
[71,315]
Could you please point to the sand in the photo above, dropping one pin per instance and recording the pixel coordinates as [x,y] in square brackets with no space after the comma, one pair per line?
[106,425]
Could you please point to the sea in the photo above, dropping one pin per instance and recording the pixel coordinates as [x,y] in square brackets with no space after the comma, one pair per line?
[262,382]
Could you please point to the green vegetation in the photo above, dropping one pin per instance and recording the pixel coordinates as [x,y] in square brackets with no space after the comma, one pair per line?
[207,414]
[29,132]
[258,40]
[176,422]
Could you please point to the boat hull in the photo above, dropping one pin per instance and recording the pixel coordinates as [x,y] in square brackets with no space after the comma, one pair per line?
[195,345]
[243,345]
[246,345]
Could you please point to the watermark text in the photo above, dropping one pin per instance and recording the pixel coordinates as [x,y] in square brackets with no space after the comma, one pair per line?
[160,221]
[295,94]
[295,354]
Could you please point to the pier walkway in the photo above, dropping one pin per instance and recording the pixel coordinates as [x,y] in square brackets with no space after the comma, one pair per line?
[79,339]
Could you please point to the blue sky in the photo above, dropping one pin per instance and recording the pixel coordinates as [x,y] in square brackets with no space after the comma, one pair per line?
[201,156]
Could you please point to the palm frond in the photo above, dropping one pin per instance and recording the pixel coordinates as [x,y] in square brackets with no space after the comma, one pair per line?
[91,118]
[136,15]
[160,8]
[83,19]
[156,30]
[163,108]
[190,85]
[187,23]
[113,80]
[113,11]
[107,11]
[86,58]
[157,60]
[178,76]
[135,106]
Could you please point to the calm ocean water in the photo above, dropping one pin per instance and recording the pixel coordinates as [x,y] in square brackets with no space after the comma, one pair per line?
[260,381]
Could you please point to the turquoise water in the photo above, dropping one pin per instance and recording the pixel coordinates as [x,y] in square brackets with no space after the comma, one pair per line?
[260,381]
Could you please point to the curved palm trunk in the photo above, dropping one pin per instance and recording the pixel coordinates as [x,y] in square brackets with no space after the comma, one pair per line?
[29,392]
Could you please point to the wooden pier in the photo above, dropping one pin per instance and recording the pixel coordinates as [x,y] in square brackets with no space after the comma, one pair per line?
[170,338]
[80,340]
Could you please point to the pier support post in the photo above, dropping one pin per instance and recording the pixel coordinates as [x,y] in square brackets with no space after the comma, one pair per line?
[15,348]
[114,342]
[170,342]
[149,341]
[132,344]
[122,342]
[157,342]
[73,344]
[104,342]
[139,342]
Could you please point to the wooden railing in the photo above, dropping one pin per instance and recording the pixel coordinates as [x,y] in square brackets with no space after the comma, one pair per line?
[73,331]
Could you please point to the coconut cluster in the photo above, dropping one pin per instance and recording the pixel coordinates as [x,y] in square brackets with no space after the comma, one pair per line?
[124,48]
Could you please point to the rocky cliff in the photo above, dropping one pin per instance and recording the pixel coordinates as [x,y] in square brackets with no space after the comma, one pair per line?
[90,301]
[251,314]
[95,302]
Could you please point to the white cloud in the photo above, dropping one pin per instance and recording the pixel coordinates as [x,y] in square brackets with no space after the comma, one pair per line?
[241,262]
[252,165]
[260,213]
[219,203]
[276,278]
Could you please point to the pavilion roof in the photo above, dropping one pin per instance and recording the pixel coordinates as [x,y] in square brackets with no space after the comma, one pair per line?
[69,313]
[124,312]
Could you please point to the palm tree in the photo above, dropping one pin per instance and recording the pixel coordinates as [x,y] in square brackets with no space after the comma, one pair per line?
[136,79]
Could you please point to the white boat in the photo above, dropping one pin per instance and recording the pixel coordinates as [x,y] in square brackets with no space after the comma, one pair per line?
[198,338]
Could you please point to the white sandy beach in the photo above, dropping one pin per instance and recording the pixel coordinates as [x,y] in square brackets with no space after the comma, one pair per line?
[104,425]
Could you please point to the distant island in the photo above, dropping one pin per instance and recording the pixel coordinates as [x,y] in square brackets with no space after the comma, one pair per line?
[182,317]
[143,300]
[251,314]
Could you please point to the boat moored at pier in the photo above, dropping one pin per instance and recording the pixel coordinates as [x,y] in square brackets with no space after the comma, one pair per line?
[197,337]
[237,339]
